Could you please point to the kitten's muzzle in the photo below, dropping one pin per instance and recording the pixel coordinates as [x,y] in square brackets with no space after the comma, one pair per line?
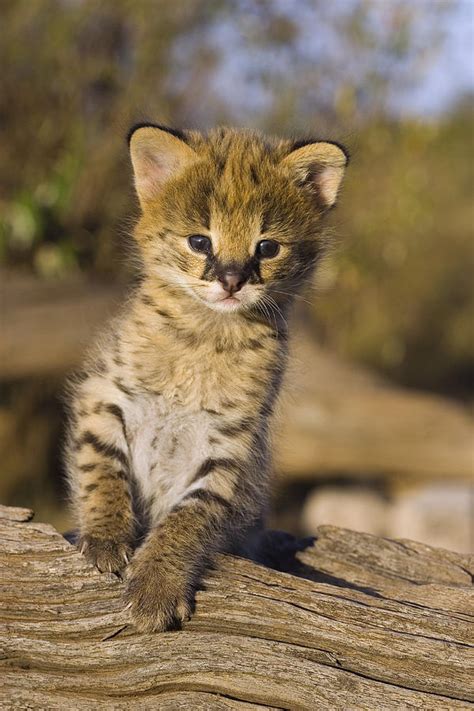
[232,281]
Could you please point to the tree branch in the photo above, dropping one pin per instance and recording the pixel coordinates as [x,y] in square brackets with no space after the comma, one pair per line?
[355,622]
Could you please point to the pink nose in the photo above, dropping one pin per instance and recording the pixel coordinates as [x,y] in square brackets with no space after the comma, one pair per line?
[232,281]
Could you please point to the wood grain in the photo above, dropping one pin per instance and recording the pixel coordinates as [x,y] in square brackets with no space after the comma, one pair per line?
[355,622]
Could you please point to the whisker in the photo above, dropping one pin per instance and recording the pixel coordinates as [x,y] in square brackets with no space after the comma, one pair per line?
[269,309]
[294,296]
[272,303]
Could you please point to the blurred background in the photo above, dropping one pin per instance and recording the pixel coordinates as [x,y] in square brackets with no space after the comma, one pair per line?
[375,430]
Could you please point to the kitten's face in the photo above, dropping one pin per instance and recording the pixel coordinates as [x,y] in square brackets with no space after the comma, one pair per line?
[233,219]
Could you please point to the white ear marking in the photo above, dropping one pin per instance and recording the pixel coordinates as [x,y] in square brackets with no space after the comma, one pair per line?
[320,165]
[329,180]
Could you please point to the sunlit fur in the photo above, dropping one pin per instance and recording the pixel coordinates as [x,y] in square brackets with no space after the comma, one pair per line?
[238,193]
[170,418]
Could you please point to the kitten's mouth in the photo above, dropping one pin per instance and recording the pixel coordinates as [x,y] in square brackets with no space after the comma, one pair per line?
[219,299]
[228,303]
[230,300]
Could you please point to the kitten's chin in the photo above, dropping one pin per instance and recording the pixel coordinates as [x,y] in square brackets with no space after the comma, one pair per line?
[228,305]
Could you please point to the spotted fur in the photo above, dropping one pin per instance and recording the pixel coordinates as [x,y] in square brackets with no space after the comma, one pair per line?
[168,453]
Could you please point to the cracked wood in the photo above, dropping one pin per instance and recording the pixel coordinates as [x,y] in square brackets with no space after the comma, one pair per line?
[355,622]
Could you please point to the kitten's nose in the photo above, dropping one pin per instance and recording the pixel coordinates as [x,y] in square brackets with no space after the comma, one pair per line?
[232,281]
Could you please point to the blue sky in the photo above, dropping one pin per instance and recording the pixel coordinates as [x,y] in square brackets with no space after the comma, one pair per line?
[438,73]
[452,73]
[422,79]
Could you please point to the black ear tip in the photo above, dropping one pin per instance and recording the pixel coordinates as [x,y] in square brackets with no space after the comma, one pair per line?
[147,124]
[308,141]
[132,130]
[343,149]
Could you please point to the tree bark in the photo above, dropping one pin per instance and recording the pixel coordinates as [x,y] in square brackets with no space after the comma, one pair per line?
[350,622]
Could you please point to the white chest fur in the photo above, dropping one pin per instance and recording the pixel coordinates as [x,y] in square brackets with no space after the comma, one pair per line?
[167,445]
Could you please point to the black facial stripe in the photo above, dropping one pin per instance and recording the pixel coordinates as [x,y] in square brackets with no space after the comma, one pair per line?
[256,269]
[209,272]
[297,264]
[249,271]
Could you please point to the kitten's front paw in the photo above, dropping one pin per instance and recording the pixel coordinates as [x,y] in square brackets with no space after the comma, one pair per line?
[158,601]
[107,554]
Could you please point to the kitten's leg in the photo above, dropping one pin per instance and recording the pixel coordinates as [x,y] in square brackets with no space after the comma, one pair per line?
[99,477]
[164,572]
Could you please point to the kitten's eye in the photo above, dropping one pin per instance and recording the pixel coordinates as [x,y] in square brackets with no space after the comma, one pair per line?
[200,243]
[267,248]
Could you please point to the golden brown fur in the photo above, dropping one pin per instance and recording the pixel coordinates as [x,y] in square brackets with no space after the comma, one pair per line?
[168,445]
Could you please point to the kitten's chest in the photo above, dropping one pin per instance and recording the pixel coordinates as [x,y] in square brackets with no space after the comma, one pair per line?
[209,376]
[167,442]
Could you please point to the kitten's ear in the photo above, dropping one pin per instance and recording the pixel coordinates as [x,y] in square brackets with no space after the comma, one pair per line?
[158,153]
[319,165]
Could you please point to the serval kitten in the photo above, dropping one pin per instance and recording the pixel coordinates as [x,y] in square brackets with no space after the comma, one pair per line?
[168,454]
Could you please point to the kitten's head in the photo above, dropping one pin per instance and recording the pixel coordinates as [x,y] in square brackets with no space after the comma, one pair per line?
[232,218]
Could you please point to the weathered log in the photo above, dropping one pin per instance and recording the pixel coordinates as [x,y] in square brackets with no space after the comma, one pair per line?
[47,325]
[356,622]
[331,422]
[340,418]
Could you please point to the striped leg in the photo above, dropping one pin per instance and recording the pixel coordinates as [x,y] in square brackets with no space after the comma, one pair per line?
[101,487]
[164,572]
